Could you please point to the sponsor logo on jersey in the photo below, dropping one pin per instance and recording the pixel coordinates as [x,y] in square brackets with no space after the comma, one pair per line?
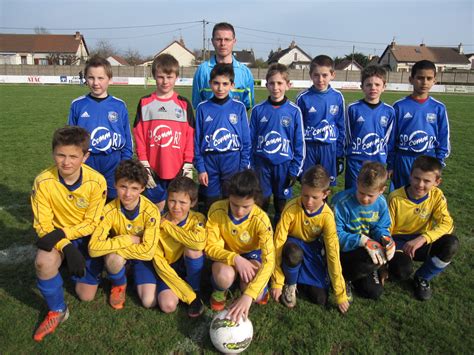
[162,109]
[178,112]
[285,121]
[360,119]
[264,119]
[244,237]
[384,121]
[333,109]
[85,114]
[208,119]
[222,140]
[163,136]
[112,116]
[102,139]
[431,117]
[82,202]
[370,144]
[408,115]
[273,143]
[322,133]
[233,118]
[417,141]
[312,109]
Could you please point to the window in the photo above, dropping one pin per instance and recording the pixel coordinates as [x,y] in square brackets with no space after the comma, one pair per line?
[23,59]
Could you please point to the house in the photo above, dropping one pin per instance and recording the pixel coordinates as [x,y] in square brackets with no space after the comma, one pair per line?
[177,49]
[470,57]
[43,49]
[402,57]
[293,57]
[244,56]
[117,61]
[373,60]
[347,64]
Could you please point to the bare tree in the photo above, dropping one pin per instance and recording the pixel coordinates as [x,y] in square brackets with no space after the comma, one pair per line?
[132,56]
[104,48]
[39,30]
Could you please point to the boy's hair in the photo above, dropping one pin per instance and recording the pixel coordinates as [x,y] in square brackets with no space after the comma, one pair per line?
[223,26]
[278,68]
[321,61]
[222,69]
[98,61]
[423,65]
[186,185]
[427,164]
[373,70]
[316,177]
[71,135]
[167,63]
[372,175]
[245,184]
[131,170]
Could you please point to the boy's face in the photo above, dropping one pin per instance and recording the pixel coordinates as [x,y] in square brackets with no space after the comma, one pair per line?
[165,82]
[240,206]
[372,88]
[277,86]
[321,77]
[68,160]
[312,198]
[221,86]
[98,81]
[368,195]
[421,182]
[179,204]
[422,82]
[223,42]
[129,192]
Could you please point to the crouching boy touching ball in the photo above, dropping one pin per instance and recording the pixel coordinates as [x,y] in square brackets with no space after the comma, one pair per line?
[306,246]
[67,201]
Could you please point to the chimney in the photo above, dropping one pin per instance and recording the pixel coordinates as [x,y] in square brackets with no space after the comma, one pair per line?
[77,37]
[461,48]
[422,44]
[292,44]
[181,41]
[392,44]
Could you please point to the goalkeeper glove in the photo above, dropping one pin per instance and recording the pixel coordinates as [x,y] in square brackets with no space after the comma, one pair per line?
[76,263]
[151,184]
[389,246]
[375,250]
[188,170]
[290,181]
[340,165]
[48,241]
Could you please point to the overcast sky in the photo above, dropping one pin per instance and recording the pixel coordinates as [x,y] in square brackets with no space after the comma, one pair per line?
[318,27]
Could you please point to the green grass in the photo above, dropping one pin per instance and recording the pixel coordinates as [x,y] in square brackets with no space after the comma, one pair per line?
[395,324]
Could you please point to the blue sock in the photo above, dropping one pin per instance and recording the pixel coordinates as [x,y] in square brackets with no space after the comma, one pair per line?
[193,271]
[119,278]
[431,267]
[291,273]
[52,291]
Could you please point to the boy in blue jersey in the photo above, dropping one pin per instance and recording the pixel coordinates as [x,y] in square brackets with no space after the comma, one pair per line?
[421,227]
[323,119]
[421,125]
[67,200]
[105,117]
[368,125]
[363,224]
[222,138]
[276,128]
[129,228]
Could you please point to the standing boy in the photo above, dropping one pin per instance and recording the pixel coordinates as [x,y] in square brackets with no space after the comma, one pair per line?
[276,128]
[421,125]
[422,227]
[222,139]
[164,131]
[105,117]
[323,119]
[368,126]
[129,228]
[67,201]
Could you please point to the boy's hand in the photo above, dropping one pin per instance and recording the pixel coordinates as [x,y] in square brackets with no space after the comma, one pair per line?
[412,246]
[374,249]
[135,239]
[188,170]
[344,307]
[76,263]
[389,245]
[240,308]
[340,165]
[245,268]
[276,293]
[151,184]
[203,179]
[290,181]
[48,241]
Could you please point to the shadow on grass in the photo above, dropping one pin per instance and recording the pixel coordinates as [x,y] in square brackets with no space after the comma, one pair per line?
[16,203]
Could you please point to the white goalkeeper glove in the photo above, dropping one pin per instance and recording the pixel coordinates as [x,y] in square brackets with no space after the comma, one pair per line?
[151,184]
[375,250]
[389,245]
[188,170]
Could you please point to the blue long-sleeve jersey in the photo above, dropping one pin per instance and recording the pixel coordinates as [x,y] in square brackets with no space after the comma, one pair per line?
[354,219]
[277,135]
[106,121]
[323,116]
[243,83]
[369,131]
[221,128]
[421,128]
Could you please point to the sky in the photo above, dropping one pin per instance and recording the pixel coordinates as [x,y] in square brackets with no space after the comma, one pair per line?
[335,28]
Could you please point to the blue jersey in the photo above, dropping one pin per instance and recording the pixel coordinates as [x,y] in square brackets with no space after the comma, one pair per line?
[221,128]
[277,134]
[421,128]
[243,79]
[323,117]
[106,121]
[354,219]
[369,131]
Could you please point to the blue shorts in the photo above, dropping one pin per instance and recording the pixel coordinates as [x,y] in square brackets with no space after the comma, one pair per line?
[353,166]
[253,255]
[324,154]
[160,192]
[144,273]
[94,266]
[402,164]
[219,167]
[106,165]
[313,270]
[272,178]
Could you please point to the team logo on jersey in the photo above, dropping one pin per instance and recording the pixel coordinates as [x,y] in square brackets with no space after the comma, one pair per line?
[333,109]
[244,237]
[112,116]
[431,117]
[85,115]
[82,203]
[162,136]
[208,119]
[408,115]
[233,118]
[234,232]
[306,222]
[179,113]
[70,197]
[423,213]
[316,230]
[384,121]
[360,119]
[285,121]
[312,109]
[264,119]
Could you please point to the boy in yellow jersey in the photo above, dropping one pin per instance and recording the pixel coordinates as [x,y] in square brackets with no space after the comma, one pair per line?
[421,227]
[129,228]
[179,258]
[240,242]
[67,200]
[307,247]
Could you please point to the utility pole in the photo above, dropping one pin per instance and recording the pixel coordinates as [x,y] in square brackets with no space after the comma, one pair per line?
[204,40]
[352,60]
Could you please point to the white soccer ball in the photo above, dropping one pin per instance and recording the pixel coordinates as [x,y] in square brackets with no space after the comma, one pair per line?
[228,336]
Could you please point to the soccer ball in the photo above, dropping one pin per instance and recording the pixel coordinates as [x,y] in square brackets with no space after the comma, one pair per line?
[228,336]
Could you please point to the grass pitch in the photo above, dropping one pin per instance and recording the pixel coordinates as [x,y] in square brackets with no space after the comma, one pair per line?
[395,324]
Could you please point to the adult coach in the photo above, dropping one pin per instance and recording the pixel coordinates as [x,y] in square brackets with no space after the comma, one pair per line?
[223,40]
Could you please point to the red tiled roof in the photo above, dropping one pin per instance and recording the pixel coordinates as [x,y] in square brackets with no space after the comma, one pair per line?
[119,59]
[441,55]
[39,43]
